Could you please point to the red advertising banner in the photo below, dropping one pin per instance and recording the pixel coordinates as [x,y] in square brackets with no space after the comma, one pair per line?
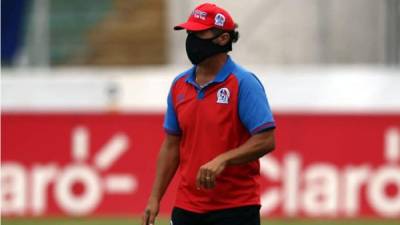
[104,164]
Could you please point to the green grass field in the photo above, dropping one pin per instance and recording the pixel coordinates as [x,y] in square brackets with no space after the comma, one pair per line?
[136,221]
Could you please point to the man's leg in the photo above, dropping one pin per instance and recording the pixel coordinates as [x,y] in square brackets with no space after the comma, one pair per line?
[184,217]
[246,215]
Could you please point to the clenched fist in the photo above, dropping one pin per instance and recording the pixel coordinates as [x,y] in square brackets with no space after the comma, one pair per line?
[208,172]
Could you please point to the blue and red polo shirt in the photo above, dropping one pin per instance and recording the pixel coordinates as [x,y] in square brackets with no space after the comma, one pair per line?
[211,120]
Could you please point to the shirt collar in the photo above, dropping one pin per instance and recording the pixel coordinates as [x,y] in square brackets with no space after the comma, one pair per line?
[224,72]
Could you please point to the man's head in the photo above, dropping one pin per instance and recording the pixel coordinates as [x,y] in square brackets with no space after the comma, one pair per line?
[211,30]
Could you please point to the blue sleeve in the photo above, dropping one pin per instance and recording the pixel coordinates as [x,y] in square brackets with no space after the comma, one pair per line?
[171,124]
[254,110]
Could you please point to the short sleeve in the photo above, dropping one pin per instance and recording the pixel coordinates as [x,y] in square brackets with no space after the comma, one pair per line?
[254,110]
[171,124]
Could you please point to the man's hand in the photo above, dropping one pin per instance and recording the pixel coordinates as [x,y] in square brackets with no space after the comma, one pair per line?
[208,172]
[150,212]
[167,163]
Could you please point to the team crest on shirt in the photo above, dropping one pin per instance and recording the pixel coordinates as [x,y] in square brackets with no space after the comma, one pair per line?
[223,96]
[219,20]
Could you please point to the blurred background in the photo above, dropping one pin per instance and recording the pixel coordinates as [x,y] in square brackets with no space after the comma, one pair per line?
[83,93]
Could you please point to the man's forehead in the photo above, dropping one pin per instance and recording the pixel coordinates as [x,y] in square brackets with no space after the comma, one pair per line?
[200,31]
[211,31]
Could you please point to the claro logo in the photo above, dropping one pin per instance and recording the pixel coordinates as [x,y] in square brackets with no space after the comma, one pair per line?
[324,190]
[25,191]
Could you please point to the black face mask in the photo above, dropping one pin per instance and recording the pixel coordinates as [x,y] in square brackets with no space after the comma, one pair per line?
[198,49]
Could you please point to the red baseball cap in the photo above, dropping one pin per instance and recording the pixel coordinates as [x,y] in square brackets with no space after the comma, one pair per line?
[207,16]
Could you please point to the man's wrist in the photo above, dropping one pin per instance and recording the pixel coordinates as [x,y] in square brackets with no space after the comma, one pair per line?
[224,158]
[155,198]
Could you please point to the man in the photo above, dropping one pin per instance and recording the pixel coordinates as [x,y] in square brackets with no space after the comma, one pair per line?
[218,123]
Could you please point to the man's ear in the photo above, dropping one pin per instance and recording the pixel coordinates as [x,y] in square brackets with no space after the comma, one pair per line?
[223,39]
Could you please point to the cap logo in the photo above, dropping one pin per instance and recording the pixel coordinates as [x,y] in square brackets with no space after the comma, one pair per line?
[219,20]
[198,14]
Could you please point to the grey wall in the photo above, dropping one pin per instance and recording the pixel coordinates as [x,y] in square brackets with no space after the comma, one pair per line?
[302,31]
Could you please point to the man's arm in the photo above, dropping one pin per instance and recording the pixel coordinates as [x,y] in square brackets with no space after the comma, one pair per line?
[257,146]
[167,164]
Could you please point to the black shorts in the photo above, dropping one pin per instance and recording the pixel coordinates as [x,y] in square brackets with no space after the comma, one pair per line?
[246,215]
